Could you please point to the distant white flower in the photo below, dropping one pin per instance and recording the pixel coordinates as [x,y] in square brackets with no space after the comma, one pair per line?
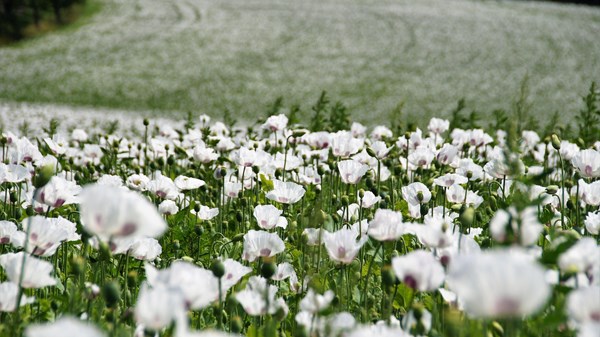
[524,226]
[114,212]
[205,154]
[419,270]
[276,122]
[386,225]
[253,298]
[438,126]
[285,192]
[205,212]
[187,183]
[168,207]
[110,180]
[380,149]
[587,162]
[261,244]
[234,271]
[466,167]
[447,154]
[344,144]
[416,194]
[7,230]
[498,284]
[158,306]
[450,179]
[592,223]
[314,302]
[421,157]
[377,331]
[342,245]
[198,286]
[269,217]
[368,200]
[583,305]
[163,187]
[8,297]
[79,135]
[314,236]
[13,173]
[36,272]
[581,257]
[351,171]
[146,249]
[137,182]
[45,236]
[64,327]
[58,192]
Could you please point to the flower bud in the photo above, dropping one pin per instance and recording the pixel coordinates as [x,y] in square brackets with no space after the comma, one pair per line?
[555,142]
[268,269]
[424,209]
[552,189]
[467,217]
[43,176]
[217,268]
[78,265]
[371,153]
[420,196]
[132,277]
[236,324]
[111,293]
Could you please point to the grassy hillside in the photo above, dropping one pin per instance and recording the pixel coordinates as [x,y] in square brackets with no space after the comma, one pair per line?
[174,56]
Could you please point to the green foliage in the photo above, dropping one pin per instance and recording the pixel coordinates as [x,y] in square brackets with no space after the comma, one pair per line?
[276,107]
[52,127]
[457,120]
[319,109]
[339,119]
[588,119]
[111,127]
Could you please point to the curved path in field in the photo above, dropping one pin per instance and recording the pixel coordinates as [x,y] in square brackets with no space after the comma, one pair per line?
[207,56]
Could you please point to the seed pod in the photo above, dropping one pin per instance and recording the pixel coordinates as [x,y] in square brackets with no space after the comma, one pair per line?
[111,293]
[268,269]
[217,268]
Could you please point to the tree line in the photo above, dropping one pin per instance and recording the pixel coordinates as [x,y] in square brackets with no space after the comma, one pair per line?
[16,15]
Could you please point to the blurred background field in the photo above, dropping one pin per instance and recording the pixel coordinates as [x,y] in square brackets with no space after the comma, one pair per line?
[171,57]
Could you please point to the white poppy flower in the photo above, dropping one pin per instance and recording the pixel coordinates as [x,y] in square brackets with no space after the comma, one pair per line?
[498,284]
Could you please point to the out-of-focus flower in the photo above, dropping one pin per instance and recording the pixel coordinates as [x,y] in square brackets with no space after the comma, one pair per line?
[314,302]
[581,257]
[351,171]
[114,212]
[187,183]
[498,283]
[387,225]
[524,226]
[269,217]
[285,192]
[261,244]
[36,272]
[592,223]
[587,162]
[58,192]
[253,298]
[419,270]
[583,305]
[158,306]
[8,297]
[342,245]
[63,327]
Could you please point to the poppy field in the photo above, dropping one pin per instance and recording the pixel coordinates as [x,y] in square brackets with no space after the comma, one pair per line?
[202,228]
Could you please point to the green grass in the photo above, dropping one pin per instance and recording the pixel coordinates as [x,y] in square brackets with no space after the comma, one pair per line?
[174,56]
